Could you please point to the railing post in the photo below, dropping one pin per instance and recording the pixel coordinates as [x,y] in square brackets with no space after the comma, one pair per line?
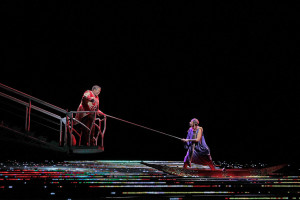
[102,134]
[92,129]
[99,131]
[66,130]
[60,133]
[27,119]
[71,132]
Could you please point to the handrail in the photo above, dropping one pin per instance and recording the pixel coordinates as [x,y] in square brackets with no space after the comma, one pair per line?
[29,106]
[32,106]
[32,98]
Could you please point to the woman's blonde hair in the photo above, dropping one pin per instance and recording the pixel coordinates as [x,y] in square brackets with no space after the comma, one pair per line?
[194,121]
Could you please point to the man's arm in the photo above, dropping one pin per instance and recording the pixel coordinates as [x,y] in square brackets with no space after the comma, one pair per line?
[100,113]
[87,97]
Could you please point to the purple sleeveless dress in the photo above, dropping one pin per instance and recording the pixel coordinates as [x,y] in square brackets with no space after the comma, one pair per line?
[199,152]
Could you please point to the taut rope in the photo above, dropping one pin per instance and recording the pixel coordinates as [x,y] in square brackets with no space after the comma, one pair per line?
[143,127]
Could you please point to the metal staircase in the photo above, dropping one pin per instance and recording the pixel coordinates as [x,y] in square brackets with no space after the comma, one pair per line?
[41,123]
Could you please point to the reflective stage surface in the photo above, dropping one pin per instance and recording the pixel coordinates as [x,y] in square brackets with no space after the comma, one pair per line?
[133,179]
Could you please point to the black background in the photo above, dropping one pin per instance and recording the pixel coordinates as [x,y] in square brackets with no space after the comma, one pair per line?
[234,66]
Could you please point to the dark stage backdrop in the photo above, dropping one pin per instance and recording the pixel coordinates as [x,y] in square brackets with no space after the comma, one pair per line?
[232,66]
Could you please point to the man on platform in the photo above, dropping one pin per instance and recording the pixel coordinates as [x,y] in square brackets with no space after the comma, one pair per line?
[89,102]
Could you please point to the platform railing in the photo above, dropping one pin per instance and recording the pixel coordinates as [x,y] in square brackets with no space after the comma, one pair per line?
[68,116]
[100,131]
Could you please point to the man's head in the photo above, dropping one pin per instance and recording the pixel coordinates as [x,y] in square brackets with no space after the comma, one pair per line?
[96,90]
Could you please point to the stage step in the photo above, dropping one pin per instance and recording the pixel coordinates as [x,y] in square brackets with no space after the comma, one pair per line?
[86,150]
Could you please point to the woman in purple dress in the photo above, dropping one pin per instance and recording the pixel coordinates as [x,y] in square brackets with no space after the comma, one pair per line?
[198,151]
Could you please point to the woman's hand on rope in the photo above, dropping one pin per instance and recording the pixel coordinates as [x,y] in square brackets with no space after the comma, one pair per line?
[184,140]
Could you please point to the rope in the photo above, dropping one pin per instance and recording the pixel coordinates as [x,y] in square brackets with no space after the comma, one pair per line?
[143,127]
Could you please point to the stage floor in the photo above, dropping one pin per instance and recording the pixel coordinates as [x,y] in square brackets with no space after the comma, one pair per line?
[132,179]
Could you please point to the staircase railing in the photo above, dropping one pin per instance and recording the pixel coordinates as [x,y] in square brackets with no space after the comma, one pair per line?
[65,122]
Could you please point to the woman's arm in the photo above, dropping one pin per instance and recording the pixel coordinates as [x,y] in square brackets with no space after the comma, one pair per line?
[186,139]
[198,136]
